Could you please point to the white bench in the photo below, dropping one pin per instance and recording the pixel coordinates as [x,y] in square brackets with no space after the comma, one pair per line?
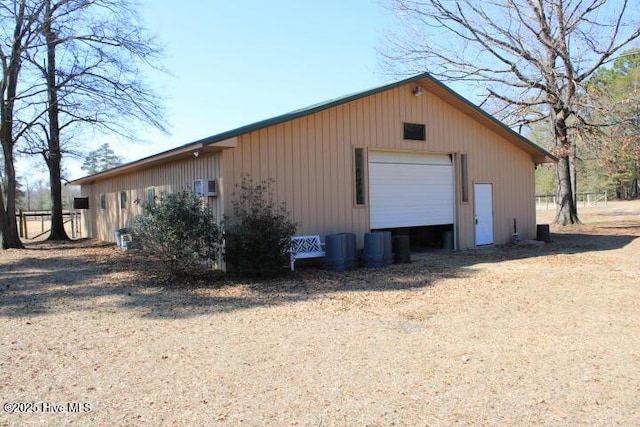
[305,247]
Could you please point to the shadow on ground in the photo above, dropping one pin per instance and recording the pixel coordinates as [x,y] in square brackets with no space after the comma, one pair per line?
[89,276]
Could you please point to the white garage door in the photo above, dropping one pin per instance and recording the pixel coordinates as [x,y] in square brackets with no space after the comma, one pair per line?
[410,190]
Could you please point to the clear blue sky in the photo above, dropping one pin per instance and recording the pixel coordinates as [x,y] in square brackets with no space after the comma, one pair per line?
[237,62]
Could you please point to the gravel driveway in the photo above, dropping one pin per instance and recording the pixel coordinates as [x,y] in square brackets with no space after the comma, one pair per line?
[499,336]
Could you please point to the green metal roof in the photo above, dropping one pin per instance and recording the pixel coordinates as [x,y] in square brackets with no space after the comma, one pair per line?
[315,108]
[312,109]
[358,95]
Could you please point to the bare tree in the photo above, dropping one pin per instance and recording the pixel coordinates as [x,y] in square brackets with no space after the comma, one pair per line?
[532,57]
[616,92]
[89,59]
[18,22]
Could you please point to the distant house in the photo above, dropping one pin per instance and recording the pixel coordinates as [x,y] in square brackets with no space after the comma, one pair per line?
[412,156]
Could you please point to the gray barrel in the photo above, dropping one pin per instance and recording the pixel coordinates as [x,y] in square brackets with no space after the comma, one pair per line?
[401,251]
[542,233]
[120,243]
[377,249]
[350,258]
[118,235]
[373,250]
[340,251]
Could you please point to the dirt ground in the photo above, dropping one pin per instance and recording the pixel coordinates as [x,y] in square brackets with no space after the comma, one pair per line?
[497,336]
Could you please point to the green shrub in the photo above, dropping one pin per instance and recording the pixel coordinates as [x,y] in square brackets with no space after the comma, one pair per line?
[258,236]
[179,230]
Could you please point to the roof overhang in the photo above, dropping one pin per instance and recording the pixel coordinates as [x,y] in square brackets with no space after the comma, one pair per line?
[193,149]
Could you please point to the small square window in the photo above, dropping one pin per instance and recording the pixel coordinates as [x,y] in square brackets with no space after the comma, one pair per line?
[415,131]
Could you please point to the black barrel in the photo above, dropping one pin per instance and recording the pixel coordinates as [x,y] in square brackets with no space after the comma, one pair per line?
[401,252]
[542,233]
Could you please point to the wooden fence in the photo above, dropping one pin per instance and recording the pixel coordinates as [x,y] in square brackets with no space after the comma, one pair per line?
[548,201]
[35,224]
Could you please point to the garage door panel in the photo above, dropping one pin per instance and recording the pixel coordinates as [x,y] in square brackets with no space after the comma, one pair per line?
[408,190]
[438,198]
[432,191]
[403,173]
[409,158]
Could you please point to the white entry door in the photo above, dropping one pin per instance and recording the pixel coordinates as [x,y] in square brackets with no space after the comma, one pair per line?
[483,204]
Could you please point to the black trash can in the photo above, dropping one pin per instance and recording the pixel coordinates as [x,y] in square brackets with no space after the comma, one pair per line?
[401,252]
[542,233]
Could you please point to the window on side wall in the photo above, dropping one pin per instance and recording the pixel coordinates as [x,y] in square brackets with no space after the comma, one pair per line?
[464,179]
[103,201]
[359,168]
[123,200]
[151,196]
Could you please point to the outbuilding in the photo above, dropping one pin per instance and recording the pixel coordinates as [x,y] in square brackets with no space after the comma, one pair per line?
[413,157]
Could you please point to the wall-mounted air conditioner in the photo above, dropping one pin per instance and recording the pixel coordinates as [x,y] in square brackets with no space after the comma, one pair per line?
[205,187]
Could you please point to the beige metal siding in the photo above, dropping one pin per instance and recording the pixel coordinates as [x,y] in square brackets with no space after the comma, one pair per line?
[311,159]
[167,178]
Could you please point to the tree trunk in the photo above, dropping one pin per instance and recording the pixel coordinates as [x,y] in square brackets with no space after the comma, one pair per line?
[4,225]
[573,172]
[54,155]
[58,231]
[636,185]
[9,237]
[567,212]
[618,189]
